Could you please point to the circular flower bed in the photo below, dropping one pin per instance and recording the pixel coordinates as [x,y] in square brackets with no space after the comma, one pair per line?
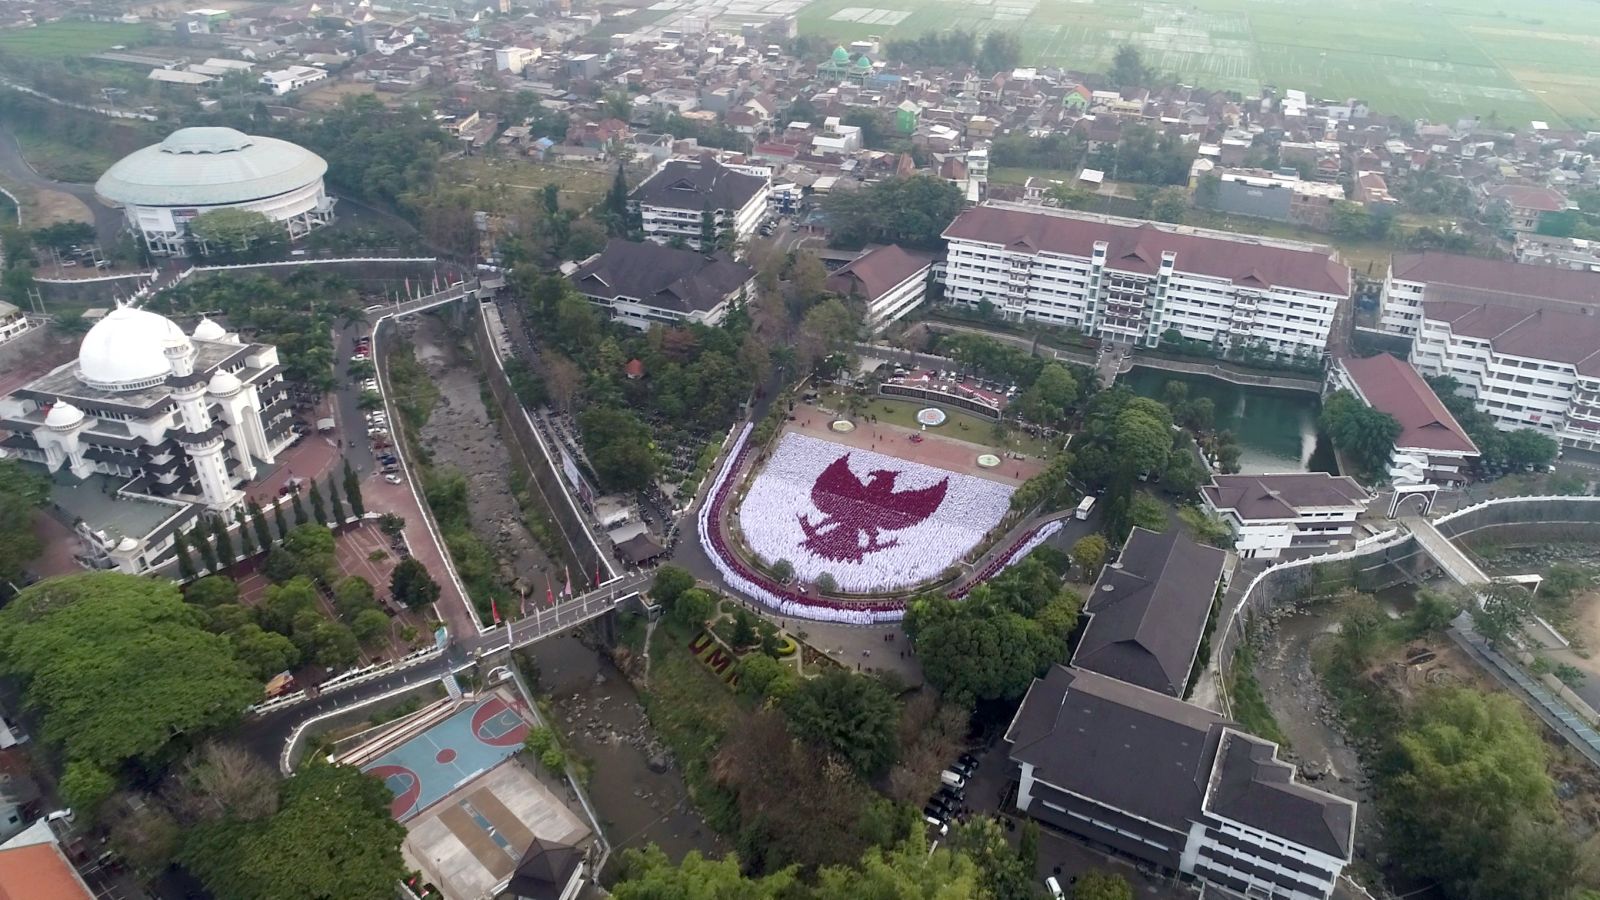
[988,460]
[843,426]
[931,416]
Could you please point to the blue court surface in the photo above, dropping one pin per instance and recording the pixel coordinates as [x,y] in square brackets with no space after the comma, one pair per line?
[430,765]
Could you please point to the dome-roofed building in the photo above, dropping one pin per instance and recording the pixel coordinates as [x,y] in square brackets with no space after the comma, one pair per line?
[148,429]
[161,188]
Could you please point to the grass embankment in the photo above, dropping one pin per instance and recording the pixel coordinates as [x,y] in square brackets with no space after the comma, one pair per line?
[692,710]
[1249,704]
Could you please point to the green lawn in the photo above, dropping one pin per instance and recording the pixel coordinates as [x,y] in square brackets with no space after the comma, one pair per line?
[961,426]
[1534,60]
[580,188]
[61,161]
[56,40]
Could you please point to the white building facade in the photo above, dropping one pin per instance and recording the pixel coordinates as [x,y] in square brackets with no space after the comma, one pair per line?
[162,188]
[687,199]
[171,423]
[1271,515]
[1130,281]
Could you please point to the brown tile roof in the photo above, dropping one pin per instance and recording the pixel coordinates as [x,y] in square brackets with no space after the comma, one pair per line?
[1390,385]
[1138,248]
[1484,278]
[39,872]
[1282,496]
[1546,334]
[874,273]
[1250,784]
[1525,196]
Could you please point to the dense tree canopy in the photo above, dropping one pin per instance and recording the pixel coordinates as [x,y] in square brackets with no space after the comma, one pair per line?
[619,446]
[332,838]
[1508,449]
[1365,435]
[22,490]
[1468,802]
[912,212]
[117,666]
[851,715]
[992,644]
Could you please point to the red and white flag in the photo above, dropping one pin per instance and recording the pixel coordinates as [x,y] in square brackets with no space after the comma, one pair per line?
[869,520]
[567,590]
[494,609]
[597,573]
[549,592]
[408,288]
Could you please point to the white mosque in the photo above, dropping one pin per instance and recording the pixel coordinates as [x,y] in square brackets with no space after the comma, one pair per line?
[148,430]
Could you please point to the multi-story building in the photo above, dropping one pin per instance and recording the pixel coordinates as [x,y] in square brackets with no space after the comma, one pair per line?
[1175,786]
[692,199]
[1432,447]
[1131,281]
[12,322]
[1562,252]
[149,428]
[1271,515]
[1148,611]
[1522,340]
[1415,277]
[889,280]
[643,284]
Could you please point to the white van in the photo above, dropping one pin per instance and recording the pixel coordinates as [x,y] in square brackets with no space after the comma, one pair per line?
[953,779]
[1053,885]
[1085,506]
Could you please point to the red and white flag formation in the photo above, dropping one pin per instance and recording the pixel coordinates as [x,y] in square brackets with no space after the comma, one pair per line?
[870,520]
[567,591]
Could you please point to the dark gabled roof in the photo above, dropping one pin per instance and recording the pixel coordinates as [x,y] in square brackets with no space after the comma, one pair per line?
[679,280]
[698,184]
[1128,748]
[1249,784]
[545,868]
[1391,385]
[1476,279]
[1138,248]
[639,548]
[1282,496]
[877,271]
[1148,611]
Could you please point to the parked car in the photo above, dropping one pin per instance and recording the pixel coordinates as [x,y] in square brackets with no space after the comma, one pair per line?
[373,432]
[952,794]
[936,813]
[1053,885]
[967,759]
[392,478]
[954,779]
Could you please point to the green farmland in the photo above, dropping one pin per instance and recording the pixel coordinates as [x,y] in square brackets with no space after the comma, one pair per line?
[1538,59]
[59,40]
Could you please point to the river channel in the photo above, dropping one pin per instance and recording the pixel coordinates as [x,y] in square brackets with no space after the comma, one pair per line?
[1276,429]
[639,800]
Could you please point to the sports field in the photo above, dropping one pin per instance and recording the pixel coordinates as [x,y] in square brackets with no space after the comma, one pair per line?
[1538,59]
[58,40]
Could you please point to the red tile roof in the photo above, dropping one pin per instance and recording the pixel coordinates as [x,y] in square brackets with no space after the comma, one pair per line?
[1545,334]
[874,273]
[1524,196]
[1138,248]
[1483,278]
[39,872]
[1390,385]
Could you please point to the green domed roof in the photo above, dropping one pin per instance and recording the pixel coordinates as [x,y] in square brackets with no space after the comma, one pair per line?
[841,55]
[862,62]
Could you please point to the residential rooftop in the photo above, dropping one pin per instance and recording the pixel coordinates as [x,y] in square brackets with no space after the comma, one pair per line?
[664,277]
[698,184]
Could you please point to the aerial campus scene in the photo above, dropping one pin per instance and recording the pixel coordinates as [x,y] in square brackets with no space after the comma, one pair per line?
[742,450]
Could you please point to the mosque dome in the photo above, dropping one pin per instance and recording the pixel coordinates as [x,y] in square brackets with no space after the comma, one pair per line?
[208,330]
[63,415]
[125,350]
[223,384]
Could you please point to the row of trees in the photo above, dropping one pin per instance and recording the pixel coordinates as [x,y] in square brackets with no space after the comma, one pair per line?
[1504,449]
[214,542]
[912,212]
[999,51]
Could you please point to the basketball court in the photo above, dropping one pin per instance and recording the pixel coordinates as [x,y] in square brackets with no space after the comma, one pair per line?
[427,767]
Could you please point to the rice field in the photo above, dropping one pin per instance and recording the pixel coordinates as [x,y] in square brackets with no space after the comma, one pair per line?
[60,40]
[1538,59]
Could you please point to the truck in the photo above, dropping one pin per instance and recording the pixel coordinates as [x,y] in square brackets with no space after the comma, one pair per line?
[1085,506]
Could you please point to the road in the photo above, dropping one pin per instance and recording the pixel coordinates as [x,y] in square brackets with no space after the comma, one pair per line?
[14,168]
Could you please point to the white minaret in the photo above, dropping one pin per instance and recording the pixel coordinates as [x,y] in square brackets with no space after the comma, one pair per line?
[201,437]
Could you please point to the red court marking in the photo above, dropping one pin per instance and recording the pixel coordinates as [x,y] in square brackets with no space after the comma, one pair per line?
[404,800]
[490,710]
[445,757]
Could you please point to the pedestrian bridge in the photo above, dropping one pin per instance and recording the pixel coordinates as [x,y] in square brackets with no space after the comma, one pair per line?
[1461,569]
[414,305]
